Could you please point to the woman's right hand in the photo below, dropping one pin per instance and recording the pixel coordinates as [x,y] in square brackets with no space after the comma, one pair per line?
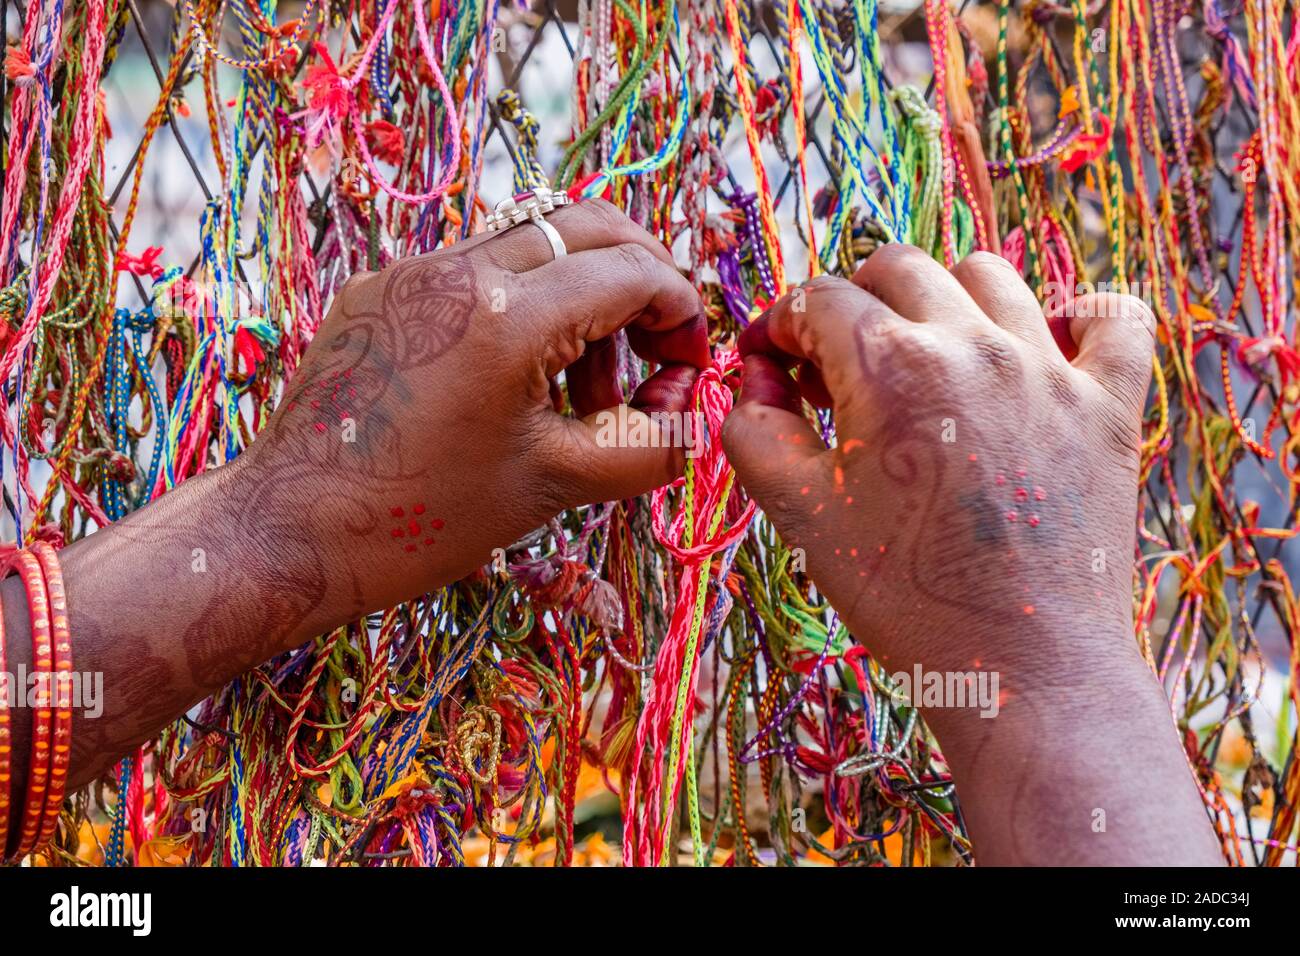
[976,519]
[980,495]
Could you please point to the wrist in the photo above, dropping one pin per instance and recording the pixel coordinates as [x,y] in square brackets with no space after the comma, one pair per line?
[1070,689]
[1066,772]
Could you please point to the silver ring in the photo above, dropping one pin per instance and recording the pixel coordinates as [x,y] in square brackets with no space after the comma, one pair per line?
[531,206]
[553,234]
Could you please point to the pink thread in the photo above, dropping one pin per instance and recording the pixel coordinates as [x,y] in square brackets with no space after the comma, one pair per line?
[645,826]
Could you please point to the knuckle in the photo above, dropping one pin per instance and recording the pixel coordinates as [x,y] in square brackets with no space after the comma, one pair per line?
[981,259]
[826,288]
[896,255]
[606,213]
[918,345]
[1140,313]
[353,288]
[997,352]
[635,257]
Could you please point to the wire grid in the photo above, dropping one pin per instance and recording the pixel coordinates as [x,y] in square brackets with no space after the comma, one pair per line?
[180,173]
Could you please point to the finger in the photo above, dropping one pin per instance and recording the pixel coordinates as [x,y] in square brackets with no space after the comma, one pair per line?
[768,441]
[1002,295]
[590,295]
[828,323]
[912,284]
[667,390]
[813,387]
[593,378]
[767,383]
[1115,335]
[590,224]
[627,450]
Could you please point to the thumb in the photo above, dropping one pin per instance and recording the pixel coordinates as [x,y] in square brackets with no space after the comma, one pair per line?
[767,439]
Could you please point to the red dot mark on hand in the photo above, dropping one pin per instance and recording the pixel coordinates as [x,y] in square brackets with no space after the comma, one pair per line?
[412,527]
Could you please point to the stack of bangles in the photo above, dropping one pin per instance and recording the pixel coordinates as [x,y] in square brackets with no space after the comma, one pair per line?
[47,775]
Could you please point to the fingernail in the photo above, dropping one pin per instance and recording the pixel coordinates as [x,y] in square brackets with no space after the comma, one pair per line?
[668,390]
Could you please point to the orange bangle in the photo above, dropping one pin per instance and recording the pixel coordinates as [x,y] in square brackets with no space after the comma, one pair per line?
[6,740]
[39,768]
[61,689]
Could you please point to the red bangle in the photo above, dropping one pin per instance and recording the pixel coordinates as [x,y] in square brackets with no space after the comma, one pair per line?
[61,688]
[42,718]
[6,740]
